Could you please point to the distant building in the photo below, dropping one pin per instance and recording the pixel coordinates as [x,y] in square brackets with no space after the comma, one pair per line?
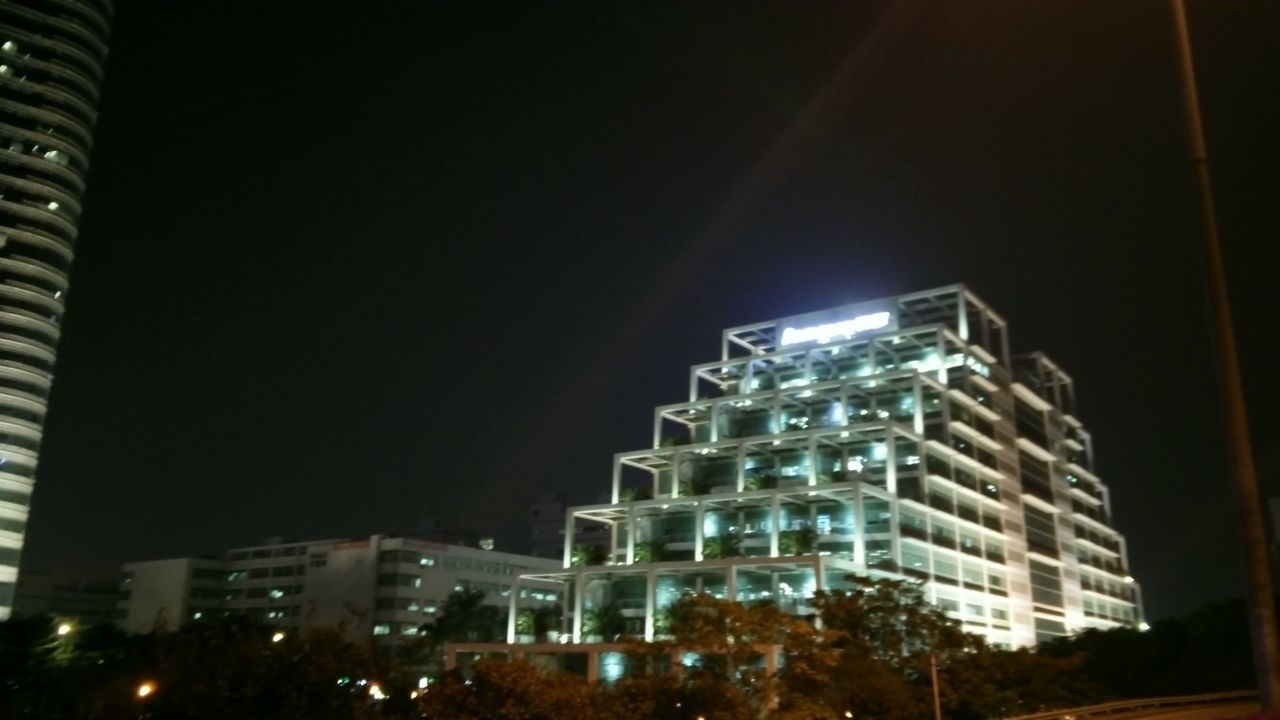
[385,587]
[547,528]
[88,602]
[51,60]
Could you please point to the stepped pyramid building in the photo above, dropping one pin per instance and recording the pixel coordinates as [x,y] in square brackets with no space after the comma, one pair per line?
[896,437]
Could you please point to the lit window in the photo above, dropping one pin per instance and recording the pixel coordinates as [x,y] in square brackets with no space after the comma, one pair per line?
[382,629]
[9,46]
[53,205]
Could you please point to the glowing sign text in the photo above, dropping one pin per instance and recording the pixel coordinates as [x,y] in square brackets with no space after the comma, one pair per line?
[842,330]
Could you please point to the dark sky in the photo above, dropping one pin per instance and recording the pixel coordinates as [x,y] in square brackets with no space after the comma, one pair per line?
[346,264]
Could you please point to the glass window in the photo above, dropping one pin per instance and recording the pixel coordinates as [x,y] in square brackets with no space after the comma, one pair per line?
[914,560]
[1046,584]
[1041,532]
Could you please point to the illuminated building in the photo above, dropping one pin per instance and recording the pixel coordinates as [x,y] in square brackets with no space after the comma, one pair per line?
[894,438]
[51,58]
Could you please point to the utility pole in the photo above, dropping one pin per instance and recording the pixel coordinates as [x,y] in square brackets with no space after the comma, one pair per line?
[1262,613]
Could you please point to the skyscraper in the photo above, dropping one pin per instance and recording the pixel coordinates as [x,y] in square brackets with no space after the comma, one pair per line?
[51,63]
[897,437]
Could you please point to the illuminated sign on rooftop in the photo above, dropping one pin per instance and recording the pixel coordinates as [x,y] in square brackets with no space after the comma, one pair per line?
[832,325]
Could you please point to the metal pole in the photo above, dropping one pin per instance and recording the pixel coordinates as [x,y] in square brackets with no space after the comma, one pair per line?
[1262,614]
[933,673]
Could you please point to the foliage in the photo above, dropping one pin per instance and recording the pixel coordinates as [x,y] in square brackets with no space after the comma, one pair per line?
[869,656]
[464,617]
[588,555]
[649,551]
[797,542]
[606,622]
[513,690]
[722,546]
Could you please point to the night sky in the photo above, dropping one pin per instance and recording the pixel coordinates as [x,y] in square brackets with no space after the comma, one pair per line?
[344,266]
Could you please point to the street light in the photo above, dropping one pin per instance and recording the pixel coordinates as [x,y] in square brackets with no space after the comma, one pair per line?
[145,689]
[64,629]
[277,637]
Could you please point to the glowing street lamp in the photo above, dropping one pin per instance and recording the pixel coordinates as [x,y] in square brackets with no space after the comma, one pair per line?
[277,637]
[146,689]
[64,629]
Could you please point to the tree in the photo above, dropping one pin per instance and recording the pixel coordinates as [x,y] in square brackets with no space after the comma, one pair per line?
[464,617]
[514,690]
[872,656]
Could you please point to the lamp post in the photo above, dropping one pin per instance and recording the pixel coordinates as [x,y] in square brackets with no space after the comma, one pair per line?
[933,675]
[1262,614]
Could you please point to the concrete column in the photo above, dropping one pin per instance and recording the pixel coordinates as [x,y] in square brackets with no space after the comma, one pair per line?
[775,510]
[657,429]
[819,583]
[731,582]
[891,461]
[917,398]
[813,459]
[675,474]
[742,467]
[650,590]
[631,534]
[617,479]
[579,588]
[699,518]
[715,422]
[859,522]
[962,320]
[568,538]
[513,608]
[613,542]
[941,340]
[593,666]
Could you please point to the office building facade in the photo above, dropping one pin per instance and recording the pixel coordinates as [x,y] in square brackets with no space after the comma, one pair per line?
[897,437]
[382,587]
[51,63]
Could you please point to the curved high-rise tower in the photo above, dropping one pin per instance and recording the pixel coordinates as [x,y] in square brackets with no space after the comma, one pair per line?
[51,61]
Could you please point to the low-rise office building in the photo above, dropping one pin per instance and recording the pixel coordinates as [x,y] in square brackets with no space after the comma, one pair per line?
[384,587]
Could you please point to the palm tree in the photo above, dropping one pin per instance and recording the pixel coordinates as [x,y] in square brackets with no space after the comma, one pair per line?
[465,617]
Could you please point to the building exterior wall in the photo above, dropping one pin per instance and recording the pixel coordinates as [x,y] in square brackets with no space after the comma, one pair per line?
[896,438]
[162,594]
[51,61]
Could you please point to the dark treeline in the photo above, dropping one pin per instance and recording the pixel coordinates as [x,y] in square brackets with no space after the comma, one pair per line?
[870,658]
